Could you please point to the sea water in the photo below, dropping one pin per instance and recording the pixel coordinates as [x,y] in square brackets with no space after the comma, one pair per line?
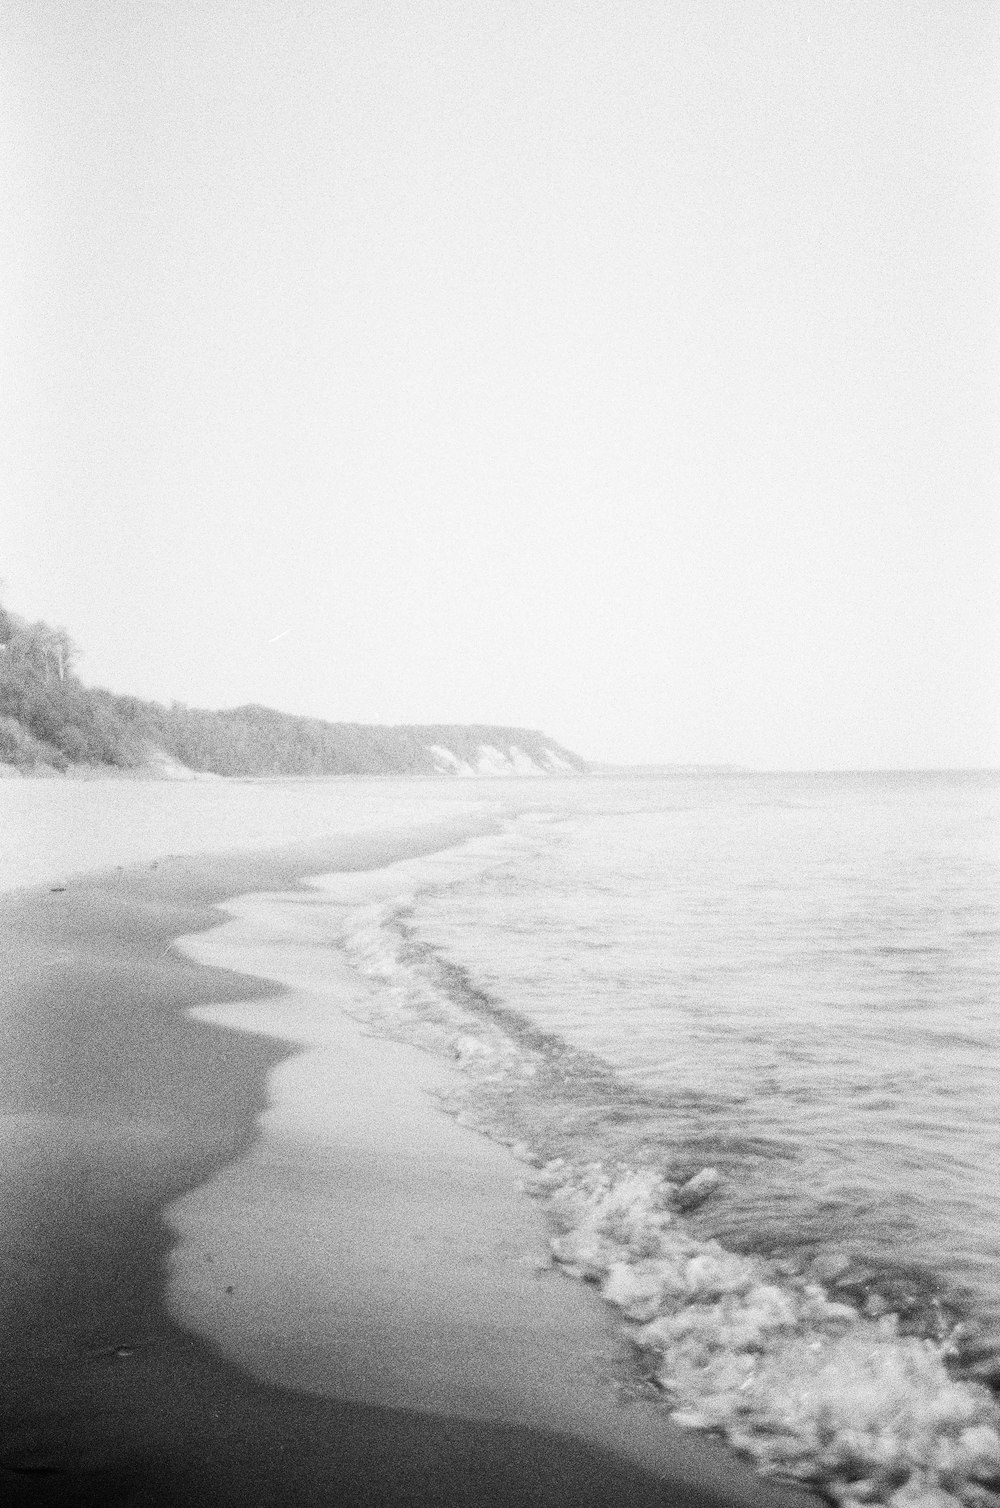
[741,1029]
[788,986]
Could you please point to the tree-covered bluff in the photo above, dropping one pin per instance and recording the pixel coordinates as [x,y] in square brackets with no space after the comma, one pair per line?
[50,720]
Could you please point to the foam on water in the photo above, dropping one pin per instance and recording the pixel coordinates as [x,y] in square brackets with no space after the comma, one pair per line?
[868,1402]
[623,1027]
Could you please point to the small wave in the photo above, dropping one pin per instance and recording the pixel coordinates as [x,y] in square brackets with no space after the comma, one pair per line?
[838,1394]
[804,1384]
[906,950]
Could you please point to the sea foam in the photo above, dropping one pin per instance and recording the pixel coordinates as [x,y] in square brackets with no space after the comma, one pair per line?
[749,1348]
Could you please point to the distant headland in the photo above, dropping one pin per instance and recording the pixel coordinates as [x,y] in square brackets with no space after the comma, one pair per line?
[52,724]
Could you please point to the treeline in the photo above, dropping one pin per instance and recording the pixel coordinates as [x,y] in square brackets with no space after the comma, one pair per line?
[48,717]
[256,740]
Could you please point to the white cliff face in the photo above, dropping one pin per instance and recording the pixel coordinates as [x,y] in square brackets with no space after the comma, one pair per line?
[495,762]
[558,765]
[448,763]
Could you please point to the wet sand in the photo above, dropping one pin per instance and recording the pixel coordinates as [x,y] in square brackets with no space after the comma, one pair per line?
[140,1160]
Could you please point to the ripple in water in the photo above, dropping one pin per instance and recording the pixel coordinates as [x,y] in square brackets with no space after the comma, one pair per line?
[797,991]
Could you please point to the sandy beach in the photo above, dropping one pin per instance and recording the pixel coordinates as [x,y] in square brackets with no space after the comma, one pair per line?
[247,1260]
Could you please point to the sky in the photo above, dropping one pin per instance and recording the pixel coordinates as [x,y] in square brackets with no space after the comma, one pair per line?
[626,369]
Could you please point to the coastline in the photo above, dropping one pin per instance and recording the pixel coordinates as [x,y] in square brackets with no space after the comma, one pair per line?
[117,1102]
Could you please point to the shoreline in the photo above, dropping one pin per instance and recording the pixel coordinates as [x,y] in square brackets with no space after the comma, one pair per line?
[118,1102]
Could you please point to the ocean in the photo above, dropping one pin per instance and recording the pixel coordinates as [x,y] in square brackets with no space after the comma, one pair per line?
[741,1030]
[786,984]
[798,978]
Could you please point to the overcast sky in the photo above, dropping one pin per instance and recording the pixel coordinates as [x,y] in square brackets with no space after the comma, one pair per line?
[623,368]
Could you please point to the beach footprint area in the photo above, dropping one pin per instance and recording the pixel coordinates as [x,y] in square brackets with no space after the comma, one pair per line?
[246,1259]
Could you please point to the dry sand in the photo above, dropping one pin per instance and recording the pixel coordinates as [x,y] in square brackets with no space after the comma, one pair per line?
[355,1312]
